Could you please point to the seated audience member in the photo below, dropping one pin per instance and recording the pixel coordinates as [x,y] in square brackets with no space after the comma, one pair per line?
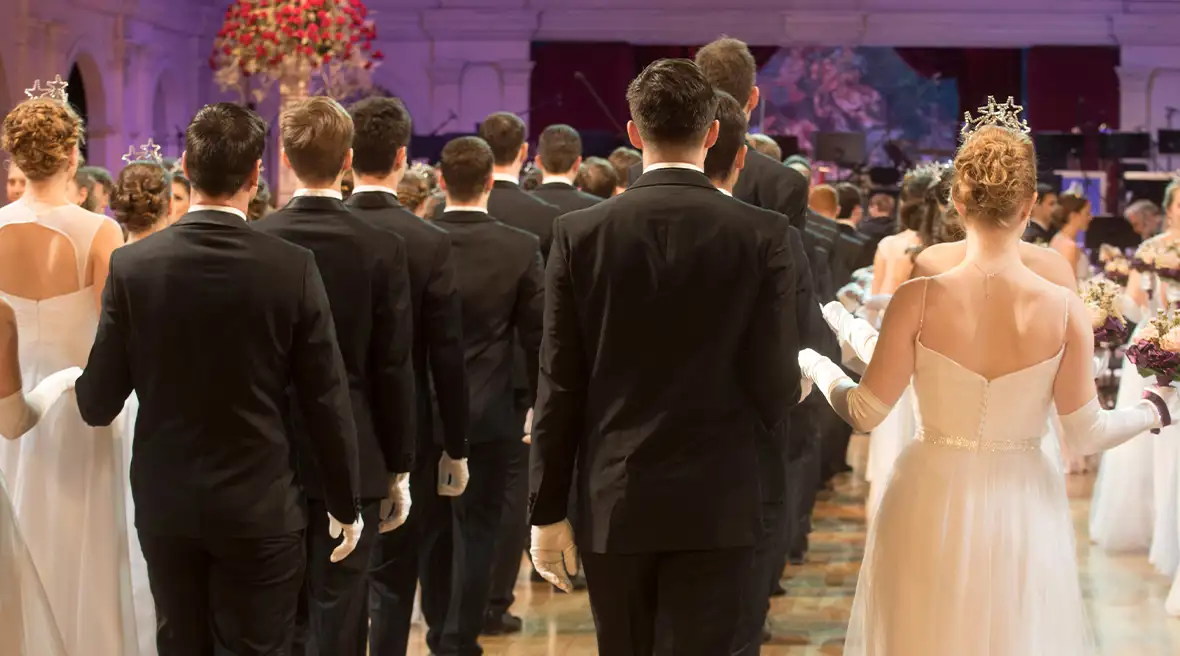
[559,155]
[800,164]
[764,144]
[824,201]
[596,176]
[623,159]
[850,203]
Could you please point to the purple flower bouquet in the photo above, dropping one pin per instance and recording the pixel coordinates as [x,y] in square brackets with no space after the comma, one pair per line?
[1101,300]
[1156,349]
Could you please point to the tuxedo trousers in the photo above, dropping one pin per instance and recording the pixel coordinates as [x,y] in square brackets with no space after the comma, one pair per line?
[804,469]
[768,555]
[423,550]
[334,606]
[686,603]
[513,540]
[235,595]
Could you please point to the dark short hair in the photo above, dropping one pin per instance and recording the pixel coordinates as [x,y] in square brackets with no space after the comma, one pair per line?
[380,127]
[730,137]
[597,176]
[102,177]
[316,135]
[1044,190]
[222,145]
[504,133]
[849,198]
[559,147]
[672,103]
[729,66]
[178,178]
[466,168]
[623,158]
[798,159]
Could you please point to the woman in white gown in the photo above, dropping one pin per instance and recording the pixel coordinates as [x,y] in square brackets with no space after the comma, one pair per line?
[27,625]
[972,552]
[64,476]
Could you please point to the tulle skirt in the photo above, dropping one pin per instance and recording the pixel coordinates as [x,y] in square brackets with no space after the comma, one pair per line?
[886,443]
[972,554]
[1123,502]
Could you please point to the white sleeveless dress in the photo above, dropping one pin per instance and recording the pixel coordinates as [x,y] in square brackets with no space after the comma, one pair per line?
[66,478]
[972,552]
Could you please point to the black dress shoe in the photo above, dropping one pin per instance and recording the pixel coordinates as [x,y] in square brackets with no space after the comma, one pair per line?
[778,590]
[579,581]
[500,624]
[797,558]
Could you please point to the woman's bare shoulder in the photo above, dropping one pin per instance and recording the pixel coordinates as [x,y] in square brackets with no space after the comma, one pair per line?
[1048,263]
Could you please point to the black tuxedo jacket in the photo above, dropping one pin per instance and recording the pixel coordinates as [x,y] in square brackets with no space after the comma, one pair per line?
[1034,233]
[501,290]
[210,322]
[513,206]
[364,272]
[566,197]
[670,341]
[877,228]
[765,182]
[438,338]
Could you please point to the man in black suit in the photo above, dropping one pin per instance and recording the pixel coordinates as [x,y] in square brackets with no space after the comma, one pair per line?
[498,274]
[881,220]
[421,550]
[659,369]
[364,271]
[210,322]
[559,155]
[722,166]
[1040,228]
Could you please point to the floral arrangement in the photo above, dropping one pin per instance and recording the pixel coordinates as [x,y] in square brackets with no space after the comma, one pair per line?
[1156,348]
[1116,267]
[266,40]
[1160,257]
[1101,300]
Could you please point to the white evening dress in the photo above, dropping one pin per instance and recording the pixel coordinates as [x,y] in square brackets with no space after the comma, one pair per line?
[27,627]
[66,478]
[972,552]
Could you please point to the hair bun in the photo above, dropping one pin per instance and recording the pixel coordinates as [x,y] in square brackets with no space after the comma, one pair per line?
[995,174]
[143,196]
[40,134]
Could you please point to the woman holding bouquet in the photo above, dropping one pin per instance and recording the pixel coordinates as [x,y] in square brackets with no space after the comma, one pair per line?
[972,549]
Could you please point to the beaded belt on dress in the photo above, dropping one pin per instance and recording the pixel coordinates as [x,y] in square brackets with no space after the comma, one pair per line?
[976,444]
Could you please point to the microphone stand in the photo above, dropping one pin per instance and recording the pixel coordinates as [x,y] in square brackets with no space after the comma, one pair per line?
[601,105]
[450,117]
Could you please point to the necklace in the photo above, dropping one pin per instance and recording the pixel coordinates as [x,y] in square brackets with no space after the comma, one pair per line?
[987,277]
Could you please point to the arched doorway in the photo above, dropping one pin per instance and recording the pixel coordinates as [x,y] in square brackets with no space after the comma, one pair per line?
[76,91]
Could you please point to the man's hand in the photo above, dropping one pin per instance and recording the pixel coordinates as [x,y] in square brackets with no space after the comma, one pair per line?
[395,507]
[528,428]
[452,476]
[352,535]
[554,553]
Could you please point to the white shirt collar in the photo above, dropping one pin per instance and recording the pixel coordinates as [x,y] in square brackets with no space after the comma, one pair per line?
[360,189]
[506,177]
[725,191]
[465,208]
[318,193]
[218,208]
[675,165]
[559,179]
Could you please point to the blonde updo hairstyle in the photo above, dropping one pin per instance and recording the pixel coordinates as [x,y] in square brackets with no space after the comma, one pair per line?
[143,196]
[41,134]
[995,176]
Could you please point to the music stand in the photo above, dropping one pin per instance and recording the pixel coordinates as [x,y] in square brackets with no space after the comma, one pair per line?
[1054,149]
[842,148]
[1124,145]
[788,143]
[1169,142]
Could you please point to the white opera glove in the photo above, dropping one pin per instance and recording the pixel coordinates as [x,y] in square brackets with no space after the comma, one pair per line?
[1090,429]
[395,507]
[858,334]
[1101,362]
[1131,311]
[352,535]
[850,295]
[864,276]
[528,428]
[452,476]
[20,412]
[855,404]
[554,553]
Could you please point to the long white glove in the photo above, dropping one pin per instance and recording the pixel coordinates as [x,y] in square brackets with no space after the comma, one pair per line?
[20,412]
[528,428]
[858,334]
[1131,310]
[554,553]
[855,404]
[1101,362]
[1090,429]
[452,476]
[850,295]
[352,535]
[395,507]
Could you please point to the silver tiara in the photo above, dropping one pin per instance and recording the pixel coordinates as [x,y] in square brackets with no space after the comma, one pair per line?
[149,152]
[1004,115]
[55,89]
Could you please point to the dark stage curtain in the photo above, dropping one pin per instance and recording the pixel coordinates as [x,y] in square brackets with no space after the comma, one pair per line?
[558,96]
[978,72]
[1073,87]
